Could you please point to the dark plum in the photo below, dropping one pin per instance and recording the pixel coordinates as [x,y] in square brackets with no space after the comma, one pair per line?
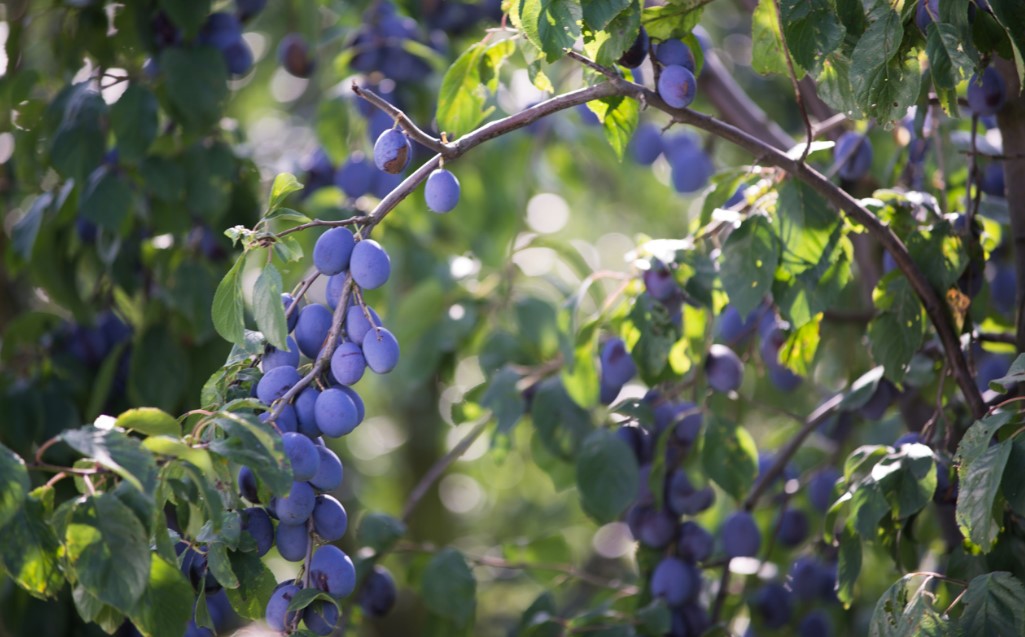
[987,93]
[881,399]
[646,144]
[650,526]
[617,368]
[378,593]
[332,571]
[275,383]
[992,182]
[329,518]
[675,52]
[675,581]
[293,541]
[302,454]
[293,318]
[294,56]
[634,56]
[312,329]
[441,191]
[321,617]
[677,86]
[695,543]
[277,615]
[332,251]
[348,364]
[682,498]
[336,414]
[370,265]
[659,281]
[815,624]
[275,357]
[723,369]
[247,485]
[853,155]
[296,507]
[792,527]
[355,176]
[392,151]
[247,9]
[329,474]
[774,605]
[820,488]
[305,412]
[381,350]
[257,523]
[639,441]
[740,535]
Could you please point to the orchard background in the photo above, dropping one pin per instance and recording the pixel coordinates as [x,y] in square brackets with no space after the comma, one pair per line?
[707,312]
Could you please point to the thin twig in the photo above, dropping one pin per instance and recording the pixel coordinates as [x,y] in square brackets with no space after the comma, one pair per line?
[412,130]
[439,468]
[797,89]
[357,219]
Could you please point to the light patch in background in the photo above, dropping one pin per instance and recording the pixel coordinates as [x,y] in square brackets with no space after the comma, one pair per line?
[375,437]
[258,44]
[5,30]
[84,73]
[456,312]
[468,373]
[520,93]
[460,493]
[285,87]
[461,267]
[535,261]
[612,249]
[478,448]
[613,540]
[164,241]
[547,213]
[113,89]
[6,147]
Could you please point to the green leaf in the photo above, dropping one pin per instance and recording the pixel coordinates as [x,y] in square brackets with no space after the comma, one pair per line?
[848,565]
[898,331]
[380,531]
[608,45]
[14,484]
[650,335]
[619,116]
[29,552]
[729,456]
[149,421]
[284,185]
[560,423]
[134,122]
[448,588]
[26,229]
[166,606]
[767,55]
[888,90]
[196,85]
[673,19]
[951,58]
[1011,15]
[906,610]
[267,308]
[1015,374]
[504,399]
[256,582]
[979,487]
[307,596]
[255,444]
[994,604]
[812,30]
[607,476]
[749,260]
[109,550]
[798,351]
[118,452]
[462,96]
[598,13]
[159,369]
[187,14]
[79,144]
[493,59]
[228,311]
[551,25]
[107,199]
[220,565]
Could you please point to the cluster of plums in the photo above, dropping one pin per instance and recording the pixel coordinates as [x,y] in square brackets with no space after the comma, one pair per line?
[221,30]
[307,514]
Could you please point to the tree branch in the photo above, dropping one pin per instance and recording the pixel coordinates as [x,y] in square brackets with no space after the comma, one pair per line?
[1011,120]
[934,306]
[412,130]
